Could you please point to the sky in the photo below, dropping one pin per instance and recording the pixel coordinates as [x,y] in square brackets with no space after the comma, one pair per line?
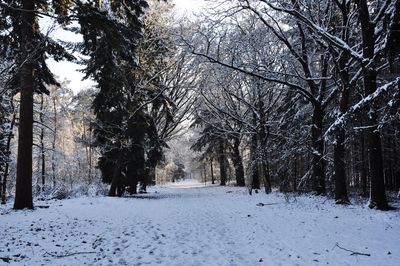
[188,6]
[69,71]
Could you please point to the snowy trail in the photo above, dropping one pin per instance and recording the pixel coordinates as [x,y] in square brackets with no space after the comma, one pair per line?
[180,225]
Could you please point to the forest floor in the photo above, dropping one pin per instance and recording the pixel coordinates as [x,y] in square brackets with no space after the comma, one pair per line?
[187,224]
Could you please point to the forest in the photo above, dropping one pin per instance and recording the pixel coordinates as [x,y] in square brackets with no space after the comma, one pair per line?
[268,98]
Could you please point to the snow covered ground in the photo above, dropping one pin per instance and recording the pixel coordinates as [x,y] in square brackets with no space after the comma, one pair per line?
[186,224]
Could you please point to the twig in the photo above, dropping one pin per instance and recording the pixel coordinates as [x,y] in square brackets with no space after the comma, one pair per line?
[266,204]
[70,254]
[352,252]
[42,206]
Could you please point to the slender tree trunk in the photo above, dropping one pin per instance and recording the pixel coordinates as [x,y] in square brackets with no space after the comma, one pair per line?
[262,145]
[23,192]
[42,148]
[205,173]
[295,170]
[263,162]
[390,183]
[7,166]
[212,171]
[364,179]
[152,174]
[396,166]
[255,175]
[339,152]
[238,163]
[340,170]
[90,165]
[53,158]
[222,163]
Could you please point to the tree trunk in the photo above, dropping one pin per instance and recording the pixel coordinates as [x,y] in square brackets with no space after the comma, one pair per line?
[116,180]
[372,134]
[212,171]
[132,178]
[339,151]
[264,170]
[53,158]
[7,166]
[42,148]
[396,166]
[364,179]
[238,163]
[340,168]
[205,174]
[317,140]
[295,170]
[390,184]
[377,191]
[152,174]
[222,163]
[23,192]
[255,175]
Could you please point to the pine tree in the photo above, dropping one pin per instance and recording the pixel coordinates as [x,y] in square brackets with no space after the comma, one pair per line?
[111,39]
[30,48]
[105,35]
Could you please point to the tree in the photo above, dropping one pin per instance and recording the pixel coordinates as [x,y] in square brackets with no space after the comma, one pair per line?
[30,48]
[83,120]
[310,79]
[7,122]
[369,57]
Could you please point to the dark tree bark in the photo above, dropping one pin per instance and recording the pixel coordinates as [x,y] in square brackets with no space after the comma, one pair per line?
[262,144]
[238,163]
[132,177]
[364,178]
[212,171]
[152,174]
[373,137]
[396,166]
[222,163]
[53,157]
[341,196]
[23,192]
[339,151]
[388,158]
[255,175]
[116,178]
[204,170]
[295,172]
[374,149]
[264,170]
[7,166]
[42,148]
[317,144]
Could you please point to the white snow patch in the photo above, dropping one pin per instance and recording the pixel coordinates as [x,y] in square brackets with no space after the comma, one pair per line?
[199,226]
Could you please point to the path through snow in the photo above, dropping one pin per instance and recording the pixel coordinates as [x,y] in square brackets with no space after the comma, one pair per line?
[186,225]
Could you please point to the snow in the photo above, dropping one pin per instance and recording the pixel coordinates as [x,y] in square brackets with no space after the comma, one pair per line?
[363,102]
[189,224]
